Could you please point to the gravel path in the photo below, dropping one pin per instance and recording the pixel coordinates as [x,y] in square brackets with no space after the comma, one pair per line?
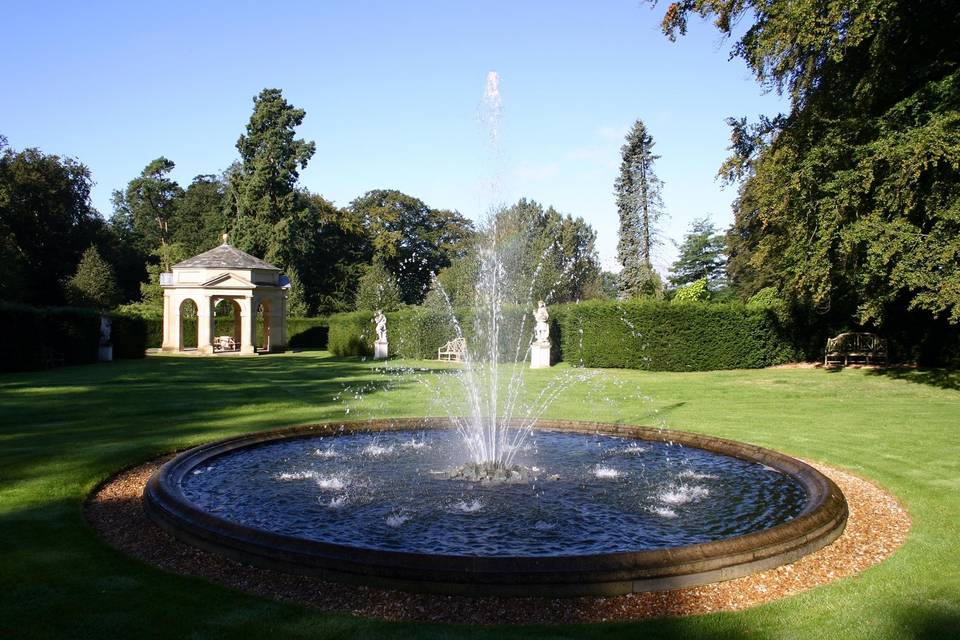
[877,526]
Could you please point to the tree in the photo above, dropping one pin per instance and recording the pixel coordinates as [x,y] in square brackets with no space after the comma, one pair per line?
[378,289]
[640,208]
[46,223]
[145,209]
[849,204]
[546,255]
[412,240]
[263,186]
[325,249]
[93,284]
[201,218]
[701,256]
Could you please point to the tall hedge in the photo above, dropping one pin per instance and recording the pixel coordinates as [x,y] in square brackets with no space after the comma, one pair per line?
[659,336]
[50,335]
[418,332]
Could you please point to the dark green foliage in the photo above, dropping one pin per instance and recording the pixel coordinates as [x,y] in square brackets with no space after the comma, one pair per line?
[144,211]
[640,208]
[658,336]
[701,256]
[413,240]
[44,335]
[201,216]
[93,284]
[129,336]
[324,249]
[849,203]
[262,190]
[46,223]
[307,333]
[378,289]
[352,334]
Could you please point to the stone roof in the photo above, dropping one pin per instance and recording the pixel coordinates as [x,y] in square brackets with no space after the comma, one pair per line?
[224,257]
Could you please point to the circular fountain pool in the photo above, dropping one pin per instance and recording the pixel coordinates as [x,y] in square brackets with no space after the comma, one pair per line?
[592,508]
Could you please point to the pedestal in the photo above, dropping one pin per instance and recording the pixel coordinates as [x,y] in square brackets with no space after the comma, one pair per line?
[380,350]
[540,355]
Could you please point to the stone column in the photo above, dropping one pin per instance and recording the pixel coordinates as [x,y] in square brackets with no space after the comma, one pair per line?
[171,323]
[248,325]
[205,328]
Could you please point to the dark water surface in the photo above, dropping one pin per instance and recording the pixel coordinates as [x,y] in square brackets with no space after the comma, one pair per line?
[387,491]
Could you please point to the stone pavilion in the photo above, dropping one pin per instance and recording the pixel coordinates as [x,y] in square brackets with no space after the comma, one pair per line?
[253,288]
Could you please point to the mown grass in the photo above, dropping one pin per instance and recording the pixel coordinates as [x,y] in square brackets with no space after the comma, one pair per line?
[63,431]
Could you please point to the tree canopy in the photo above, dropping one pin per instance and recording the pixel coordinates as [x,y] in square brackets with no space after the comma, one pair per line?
[46,223]
[850,203]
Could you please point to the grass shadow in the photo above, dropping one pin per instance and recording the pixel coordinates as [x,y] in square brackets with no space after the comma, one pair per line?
[941,378]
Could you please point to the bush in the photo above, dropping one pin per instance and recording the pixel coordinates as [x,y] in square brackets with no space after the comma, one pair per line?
[660,336]
[694,292]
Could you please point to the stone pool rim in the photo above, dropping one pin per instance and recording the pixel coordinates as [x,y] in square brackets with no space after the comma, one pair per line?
[820,522]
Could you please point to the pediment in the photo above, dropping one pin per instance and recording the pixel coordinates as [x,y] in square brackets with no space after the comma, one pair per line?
[228,281]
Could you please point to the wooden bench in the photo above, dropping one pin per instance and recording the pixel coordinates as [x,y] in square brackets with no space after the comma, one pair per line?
[855,348]
[453,351]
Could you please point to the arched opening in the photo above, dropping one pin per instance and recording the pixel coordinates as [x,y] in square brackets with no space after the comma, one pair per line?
[226,322]
[263,326]
[188,324]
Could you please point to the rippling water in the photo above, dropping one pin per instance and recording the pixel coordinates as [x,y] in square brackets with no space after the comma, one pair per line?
[380,491]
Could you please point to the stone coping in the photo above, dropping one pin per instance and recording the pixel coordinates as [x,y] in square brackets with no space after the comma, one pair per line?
[822,521]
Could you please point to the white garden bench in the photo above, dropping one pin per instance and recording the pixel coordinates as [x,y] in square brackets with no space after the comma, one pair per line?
[453,351]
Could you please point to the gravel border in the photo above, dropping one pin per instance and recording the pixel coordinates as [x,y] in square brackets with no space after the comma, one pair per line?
[877,525]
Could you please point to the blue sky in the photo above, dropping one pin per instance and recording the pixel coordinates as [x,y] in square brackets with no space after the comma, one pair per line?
[392,92]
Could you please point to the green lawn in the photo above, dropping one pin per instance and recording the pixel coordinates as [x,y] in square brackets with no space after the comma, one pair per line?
[63,431]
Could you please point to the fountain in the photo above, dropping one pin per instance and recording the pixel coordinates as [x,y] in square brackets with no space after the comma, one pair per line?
[491,498]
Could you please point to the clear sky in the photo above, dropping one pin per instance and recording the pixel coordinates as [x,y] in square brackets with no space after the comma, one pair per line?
[392,92]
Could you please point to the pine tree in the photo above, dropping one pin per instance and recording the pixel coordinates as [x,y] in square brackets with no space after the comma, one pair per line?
[701,256]
[640,208]
[93,284]
[263,186]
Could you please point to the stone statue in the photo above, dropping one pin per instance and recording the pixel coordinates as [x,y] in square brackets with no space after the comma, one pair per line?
[542,331]
[380,349]
[540,349]
[381,321]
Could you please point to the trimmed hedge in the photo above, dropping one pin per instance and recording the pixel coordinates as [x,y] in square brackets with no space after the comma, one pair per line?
[50,335]
[129,337]
[311,333]
[652,335]
[660,336]
[418,332]
[351,334]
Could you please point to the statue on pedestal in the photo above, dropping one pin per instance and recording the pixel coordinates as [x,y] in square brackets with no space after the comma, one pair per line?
[540,348]
[380,348]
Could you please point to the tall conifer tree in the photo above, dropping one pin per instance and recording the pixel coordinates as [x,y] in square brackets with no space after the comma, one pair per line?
[640,208]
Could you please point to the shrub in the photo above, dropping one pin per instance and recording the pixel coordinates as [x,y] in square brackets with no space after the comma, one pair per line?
[694,292]
[660,336]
